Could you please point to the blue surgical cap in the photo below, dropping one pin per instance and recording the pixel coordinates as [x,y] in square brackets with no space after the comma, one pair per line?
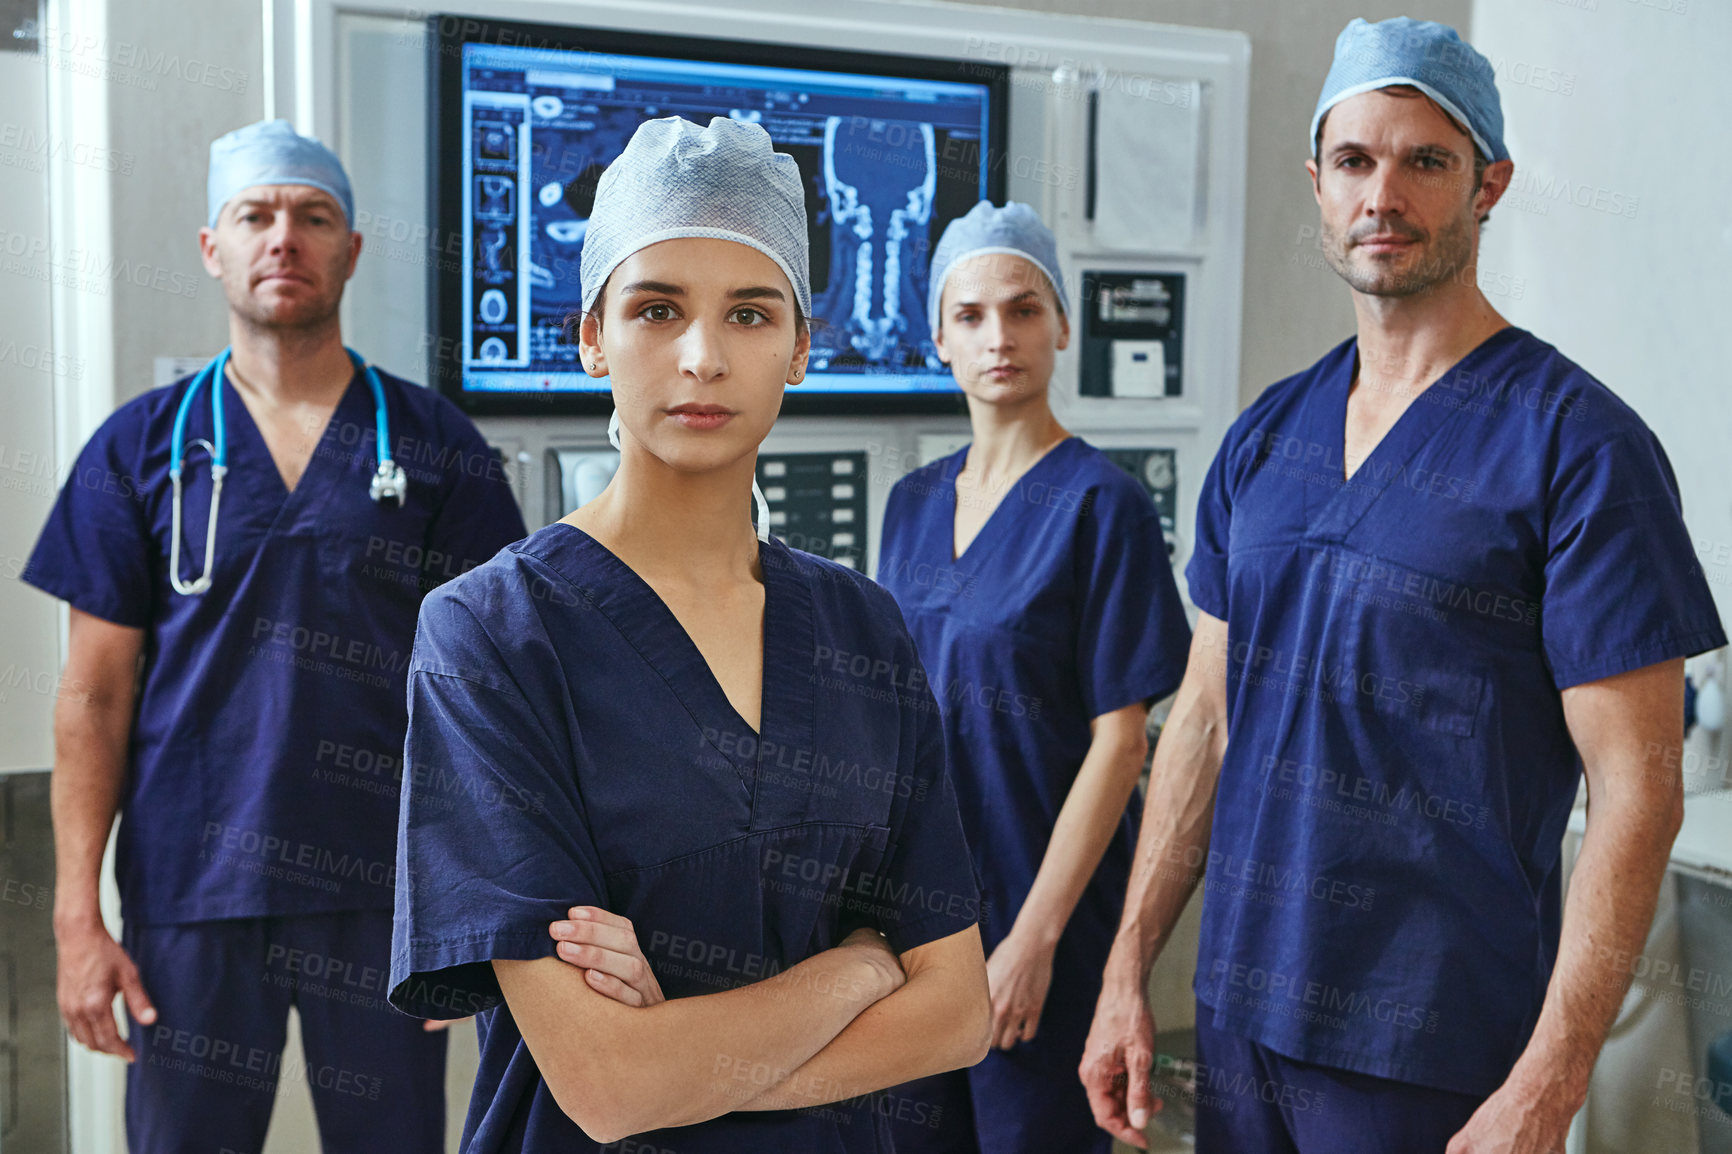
[1424,55]
[674,180]
[271,152]
[1015,229]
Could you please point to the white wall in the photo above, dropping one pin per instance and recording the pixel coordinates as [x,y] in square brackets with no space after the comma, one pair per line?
[29,372]
[217,86]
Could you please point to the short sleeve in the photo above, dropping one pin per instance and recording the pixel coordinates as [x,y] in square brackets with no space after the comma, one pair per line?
[1132,636]
[479,516]
[96,551]
[492,841]
[1206,574]
[1623,588]
[927,888]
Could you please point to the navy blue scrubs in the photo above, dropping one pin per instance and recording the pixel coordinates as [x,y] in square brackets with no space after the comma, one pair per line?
[266,753]
[1248,1097]
[1383,888]
[1062,608]
[568,745]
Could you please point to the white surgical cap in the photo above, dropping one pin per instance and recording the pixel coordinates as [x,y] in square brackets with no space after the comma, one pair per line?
[674,180]
[1015,229]
[1417,54]
[271,152]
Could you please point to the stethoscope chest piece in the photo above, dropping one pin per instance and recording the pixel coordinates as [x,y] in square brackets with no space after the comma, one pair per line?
[390,481]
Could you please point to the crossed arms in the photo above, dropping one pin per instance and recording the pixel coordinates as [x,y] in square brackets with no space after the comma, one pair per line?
[845,1022]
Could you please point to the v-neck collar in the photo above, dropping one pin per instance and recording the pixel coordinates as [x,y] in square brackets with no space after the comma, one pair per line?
[958,460]
[786,696]
[247,443]
[1336,507]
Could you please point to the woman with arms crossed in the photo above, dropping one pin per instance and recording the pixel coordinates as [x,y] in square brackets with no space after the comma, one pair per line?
[626,712]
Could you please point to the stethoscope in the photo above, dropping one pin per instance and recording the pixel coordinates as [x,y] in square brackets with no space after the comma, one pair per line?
[388,481]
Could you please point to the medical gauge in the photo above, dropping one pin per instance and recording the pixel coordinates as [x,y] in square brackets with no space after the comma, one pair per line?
[526,118]
[388,481]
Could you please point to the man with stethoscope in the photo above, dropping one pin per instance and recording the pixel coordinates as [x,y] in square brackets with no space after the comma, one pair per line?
[245,553]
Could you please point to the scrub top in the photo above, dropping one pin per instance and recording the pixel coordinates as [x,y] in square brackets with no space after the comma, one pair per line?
[1383,875]
[596,761]
[266,752]
[1061,609]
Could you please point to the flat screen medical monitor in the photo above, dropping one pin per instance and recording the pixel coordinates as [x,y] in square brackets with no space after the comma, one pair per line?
[527,117]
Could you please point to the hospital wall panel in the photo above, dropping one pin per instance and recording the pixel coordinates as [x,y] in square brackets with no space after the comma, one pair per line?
[366,58]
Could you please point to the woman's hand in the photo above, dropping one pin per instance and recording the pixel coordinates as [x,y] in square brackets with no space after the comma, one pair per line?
[1018,973]
[605,947]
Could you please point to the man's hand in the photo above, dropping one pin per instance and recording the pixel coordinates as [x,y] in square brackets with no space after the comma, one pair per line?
[1117,1060]
[1518,1119]
[91,969]
[606,948]
[1019,974]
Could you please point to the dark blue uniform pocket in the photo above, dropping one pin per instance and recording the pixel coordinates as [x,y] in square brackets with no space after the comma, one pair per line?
[1450,701]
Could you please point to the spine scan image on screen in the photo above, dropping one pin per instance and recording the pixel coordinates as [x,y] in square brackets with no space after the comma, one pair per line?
[888,161]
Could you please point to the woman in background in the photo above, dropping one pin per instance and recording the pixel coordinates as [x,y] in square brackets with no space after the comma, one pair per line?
[1033,574]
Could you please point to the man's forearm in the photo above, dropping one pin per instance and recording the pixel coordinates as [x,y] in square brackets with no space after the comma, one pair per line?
[84,797]
[1613,890]
[1174,843]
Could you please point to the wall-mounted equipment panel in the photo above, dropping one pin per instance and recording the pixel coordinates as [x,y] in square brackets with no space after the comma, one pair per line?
[1133,338]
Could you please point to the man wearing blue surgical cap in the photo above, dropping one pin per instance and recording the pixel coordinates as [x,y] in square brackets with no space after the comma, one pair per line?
[1443,576]
[250,731]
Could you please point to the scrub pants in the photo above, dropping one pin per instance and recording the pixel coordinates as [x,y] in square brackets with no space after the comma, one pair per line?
[208,1068]
[1249,1098]
[1027,1100]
